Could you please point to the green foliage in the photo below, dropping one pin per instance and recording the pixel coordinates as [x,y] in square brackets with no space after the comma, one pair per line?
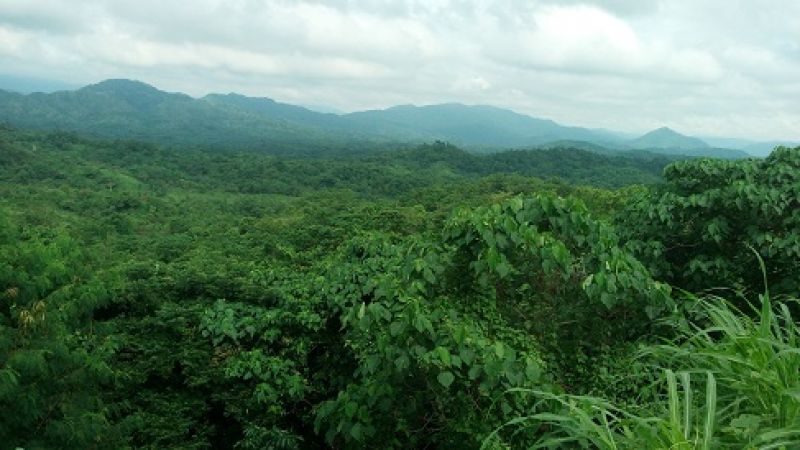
[51,363]
[755,358]
[747,363]
[184,298]
[532,254]
[424,359]
[695,230]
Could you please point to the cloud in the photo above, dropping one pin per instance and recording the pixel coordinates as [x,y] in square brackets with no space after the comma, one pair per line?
[623,64]
[587,39]
[471,84]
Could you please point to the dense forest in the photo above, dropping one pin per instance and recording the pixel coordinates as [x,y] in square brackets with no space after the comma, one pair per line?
[409,296]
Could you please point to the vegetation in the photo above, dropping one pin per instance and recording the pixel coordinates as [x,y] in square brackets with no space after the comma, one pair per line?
[180,297]
[730,381]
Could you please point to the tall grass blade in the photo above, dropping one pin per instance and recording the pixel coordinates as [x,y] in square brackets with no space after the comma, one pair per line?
[711,410]
[687,404]
[674,408]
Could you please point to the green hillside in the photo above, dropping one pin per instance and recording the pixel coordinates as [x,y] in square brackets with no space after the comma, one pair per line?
[134,110]
[481,126]
[129,109]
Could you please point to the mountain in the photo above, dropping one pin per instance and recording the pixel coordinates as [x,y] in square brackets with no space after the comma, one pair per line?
[763,149]
[135,110]
[465,125]
[27,85]
[723,142]
[472,126]
[276,111]
[666,138]
[669,142]
[128,109]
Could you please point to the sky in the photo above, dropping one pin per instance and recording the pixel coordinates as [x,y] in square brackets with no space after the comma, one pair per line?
[703,67]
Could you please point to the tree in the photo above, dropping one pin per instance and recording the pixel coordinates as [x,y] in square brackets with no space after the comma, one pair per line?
[51,369]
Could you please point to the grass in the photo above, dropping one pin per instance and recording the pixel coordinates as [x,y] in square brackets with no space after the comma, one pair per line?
[732,381]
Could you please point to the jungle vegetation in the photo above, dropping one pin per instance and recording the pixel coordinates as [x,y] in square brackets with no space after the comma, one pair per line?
[414,297]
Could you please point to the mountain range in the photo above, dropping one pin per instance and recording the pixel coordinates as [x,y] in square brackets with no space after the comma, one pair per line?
[130,109]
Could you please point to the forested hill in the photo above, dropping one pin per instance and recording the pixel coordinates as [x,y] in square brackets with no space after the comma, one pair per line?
[379,172]
[134,110]
[667,138]
[478,125]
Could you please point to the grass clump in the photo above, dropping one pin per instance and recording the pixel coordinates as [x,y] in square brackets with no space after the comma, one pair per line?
[731,380]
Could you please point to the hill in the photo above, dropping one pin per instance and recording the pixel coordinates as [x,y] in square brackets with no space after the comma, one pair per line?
[276,111]
[472,125]
[666,138]
[130,109]
[669,142]
[381,172]
[135,110]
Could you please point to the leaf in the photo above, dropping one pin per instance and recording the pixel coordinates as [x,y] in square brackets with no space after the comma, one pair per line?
[444,355]
[474,372]
[350,409]
[362,310]
[467,355]
[532,370]
[746,422]
[428,275]
[503,269]
[499,349]
[395,328]
[356,432]
[401,362]
[492,258]
[446,378]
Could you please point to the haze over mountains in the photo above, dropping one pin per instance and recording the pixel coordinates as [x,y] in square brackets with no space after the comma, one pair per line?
[135,110]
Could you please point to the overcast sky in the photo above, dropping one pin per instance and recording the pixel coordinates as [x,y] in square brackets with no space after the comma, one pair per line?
[703,67]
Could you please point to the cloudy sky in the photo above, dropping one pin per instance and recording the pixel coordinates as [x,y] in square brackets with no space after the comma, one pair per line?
[703,67]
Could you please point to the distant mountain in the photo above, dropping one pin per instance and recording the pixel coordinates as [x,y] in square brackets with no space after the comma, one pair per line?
[472,126]
[270,109]
[134,110]
[723,142]
[666,138]
[754,148]
[25,85]
[130,109]
[669,142]
[765,148]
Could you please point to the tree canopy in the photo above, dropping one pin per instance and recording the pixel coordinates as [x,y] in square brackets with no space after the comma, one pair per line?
[178,297]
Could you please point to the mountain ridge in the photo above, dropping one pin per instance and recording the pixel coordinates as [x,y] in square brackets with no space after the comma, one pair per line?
[124,108]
